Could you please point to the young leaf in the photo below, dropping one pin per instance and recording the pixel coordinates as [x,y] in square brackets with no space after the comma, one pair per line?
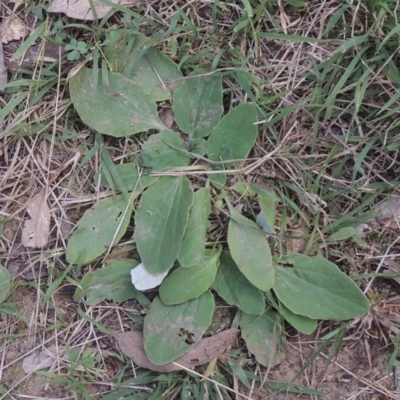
[317,289]
[5,283]
[234,136]
[185,284]
[160,222]
[96,230]
[130,177]
[300,322]
[122,109]
[160,151]
[266,218]
[342,234]
[194,240]
[133,56]
[111,282]
[235,288]
[261,334]
[250,250]
[171,331]
[197,104]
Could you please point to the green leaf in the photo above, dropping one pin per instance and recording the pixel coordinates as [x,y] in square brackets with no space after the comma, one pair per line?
[161,221]
[235,288]
[342,234]
[218,180]
[171,331]
[266,218]
[112,282]
[185,284]
[234,136]
[96,230]
[317,289]
[197,104]
[121,109]
[243,188]
[261,334]
[130,177]
[300,322]
[250,250]
[197,146]
[194,240]
[5,283]
[160,151]
[132,55]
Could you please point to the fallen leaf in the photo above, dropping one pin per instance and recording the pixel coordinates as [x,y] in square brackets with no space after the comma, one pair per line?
[167,117]
[131,343]
[12,29]
[3,76]
[390,208]
[81,9]
[42,360]
[35,232]
[49,52]
[295,242]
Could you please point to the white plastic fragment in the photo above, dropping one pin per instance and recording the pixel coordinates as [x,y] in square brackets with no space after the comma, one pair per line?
[143,280]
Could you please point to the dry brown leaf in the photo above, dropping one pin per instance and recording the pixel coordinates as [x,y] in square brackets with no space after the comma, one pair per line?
[294,245]
[131,343]
[81,9]
[12,29]
[47,52]
[3,78]
[35,232]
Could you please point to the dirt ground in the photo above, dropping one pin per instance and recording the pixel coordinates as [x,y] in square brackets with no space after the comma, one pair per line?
[358,372]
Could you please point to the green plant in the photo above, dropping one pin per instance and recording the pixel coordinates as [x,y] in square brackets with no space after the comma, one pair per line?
[171,223]
[5,283]
[76,50]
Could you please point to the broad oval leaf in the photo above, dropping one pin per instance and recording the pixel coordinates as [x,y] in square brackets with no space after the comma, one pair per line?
[236,289]
[171,331]
[160,222]
[185,284]
[111,282]
[300,322]
[250,250]
[194,240]
[132,55]
[317,289]
[234,136]
[161,151]
[121,109]
[5,283]
[261,334]
[143,280]
[197,104]
[96,230]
